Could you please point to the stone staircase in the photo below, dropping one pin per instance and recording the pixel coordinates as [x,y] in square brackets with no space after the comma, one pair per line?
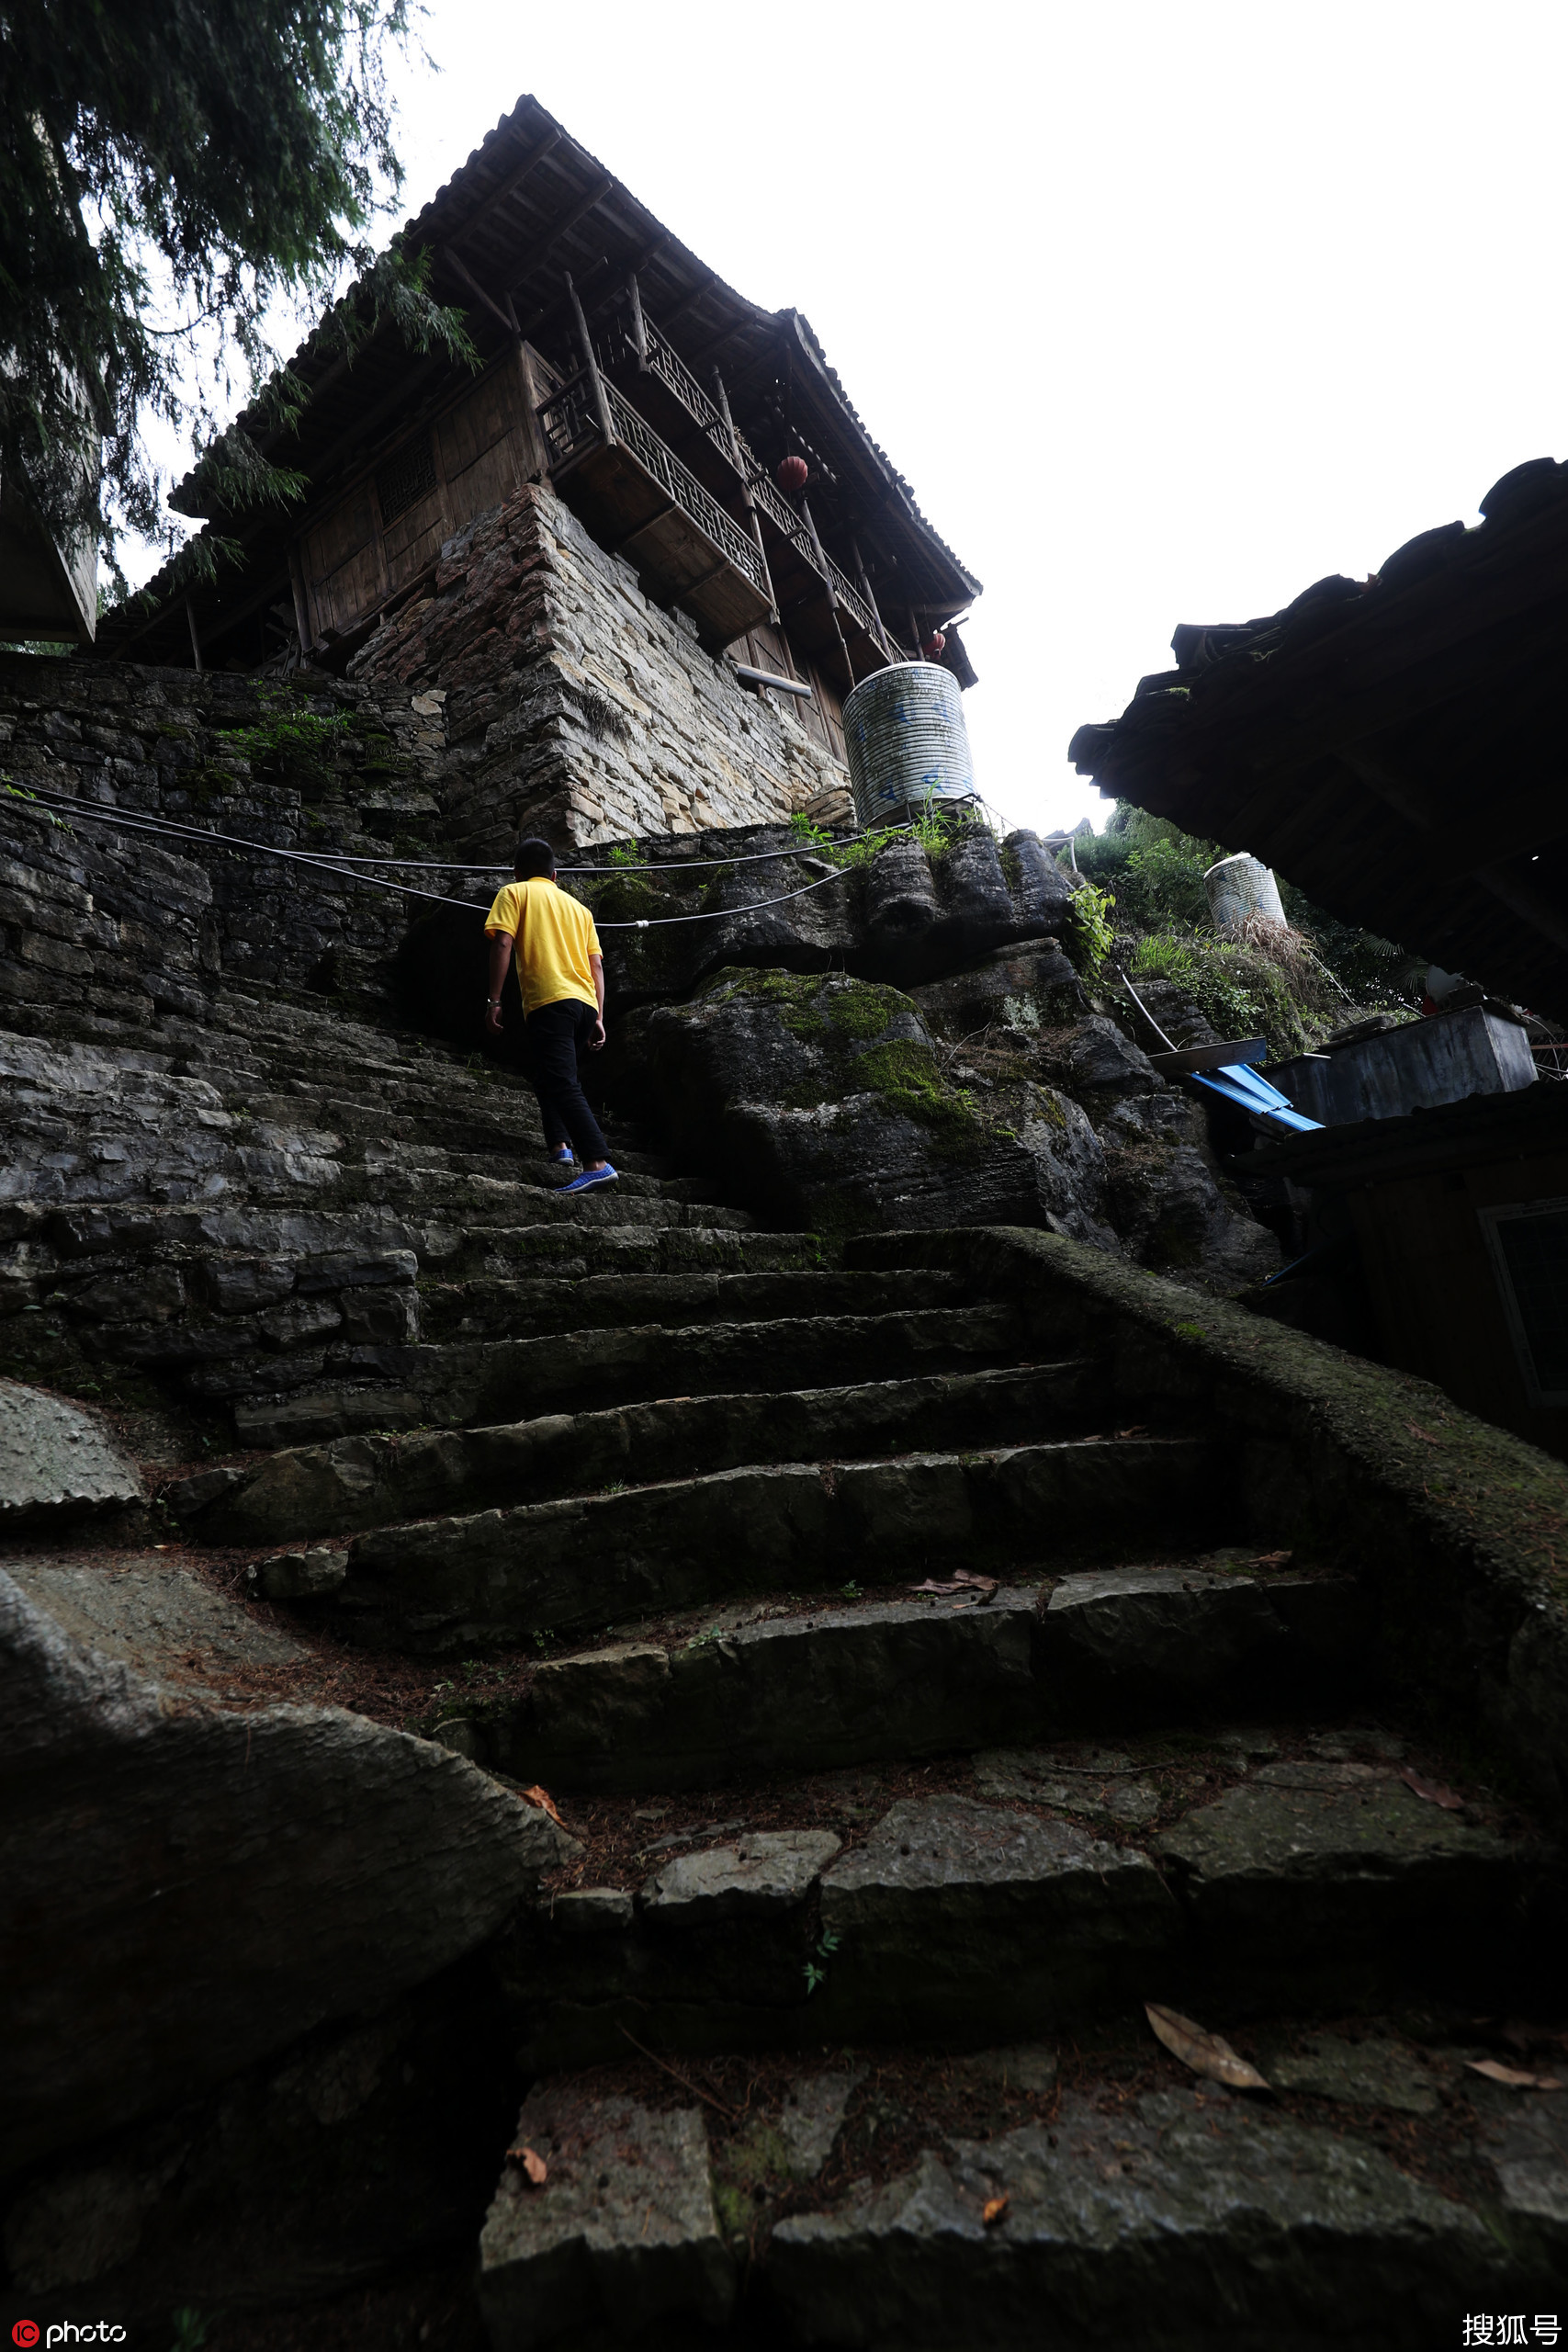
[937,1647]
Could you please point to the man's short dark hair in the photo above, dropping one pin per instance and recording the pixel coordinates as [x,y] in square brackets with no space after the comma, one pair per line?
[534,857]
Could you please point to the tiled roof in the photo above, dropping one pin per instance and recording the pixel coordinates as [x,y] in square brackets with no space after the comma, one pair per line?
[528,205]
[1395,746]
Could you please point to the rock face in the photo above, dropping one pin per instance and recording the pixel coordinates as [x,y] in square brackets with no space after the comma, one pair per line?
[56,1462]
[277,2188]
[827,1105]
[190,1889]
[758,900]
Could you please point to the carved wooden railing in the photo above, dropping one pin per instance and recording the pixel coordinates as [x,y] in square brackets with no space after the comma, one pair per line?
[660,359]
[570,422]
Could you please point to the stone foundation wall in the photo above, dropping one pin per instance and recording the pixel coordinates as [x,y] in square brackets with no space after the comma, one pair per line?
[577,709]
[117,924]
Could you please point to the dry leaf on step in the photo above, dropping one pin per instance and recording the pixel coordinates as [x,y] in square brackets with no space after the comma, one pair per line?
[996,2208]
[1512,2076]
[1206,2054]
[535,2166]
[1433,1790]
[545,1803]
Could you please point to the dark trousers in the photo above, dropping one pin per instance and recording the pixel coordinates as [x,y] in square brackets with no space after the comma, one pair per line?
[552,1039]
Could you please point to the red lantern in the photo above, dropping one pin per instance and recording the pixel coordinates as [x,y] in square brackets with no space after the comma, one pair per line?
[793,475]
[935,646]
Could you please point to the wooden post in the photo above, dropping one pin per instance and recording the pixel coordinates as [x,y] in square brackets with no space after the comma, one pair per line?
[746,491]
[639,325]
[195,640]
[828,582]
[914,631]
[537,458]
[866,589]
[296,583]
[596,382]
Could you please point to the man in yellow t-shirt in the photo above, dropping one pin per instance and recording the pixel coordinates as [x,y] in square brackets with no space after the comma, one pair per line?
[561,972]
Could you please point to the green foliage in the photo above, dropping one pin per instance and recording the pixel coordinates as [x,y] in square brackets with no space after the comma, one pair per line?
[167,174]
[1155,870]
[296,747]
[1088,931]
[190,2330]
[35,808]
[1239,991]
[811,836]
[815,1975]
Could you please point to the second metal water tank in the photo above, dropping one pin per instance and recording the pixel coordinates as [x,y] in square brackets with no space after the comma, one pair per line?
[906,740]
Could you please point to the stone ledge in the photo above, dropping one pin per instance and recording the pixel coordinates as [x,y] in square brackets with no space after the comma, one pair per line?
[1451,1524]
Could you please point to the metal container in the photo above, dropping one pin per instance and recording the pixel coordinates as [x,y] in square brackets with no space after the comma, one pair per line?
[1239,886]
[906,740]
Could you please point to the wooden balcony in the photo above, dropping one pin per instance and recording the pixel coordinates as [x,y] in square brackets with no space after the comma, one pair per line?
[816,599]
[641,502]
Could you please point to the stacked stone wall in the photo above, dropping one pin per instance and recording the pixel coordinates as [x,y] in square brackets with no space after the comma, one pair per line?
[120,925]
[578,708]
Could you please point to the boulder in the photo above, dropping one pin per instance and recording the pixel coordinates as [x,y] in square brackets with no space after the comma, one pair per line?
[366,2147]
[903,917]
[1023,989]
[824,1104]
[56,1461]
[190,1889]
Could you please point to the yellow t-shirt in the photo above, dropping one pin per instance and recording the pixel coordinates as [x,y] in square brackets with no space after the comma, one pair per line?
[554,937]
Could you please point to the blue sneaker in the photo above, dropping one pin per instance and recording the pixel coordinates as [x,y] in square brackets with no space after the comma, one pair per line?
[589,1178]
[563,1156]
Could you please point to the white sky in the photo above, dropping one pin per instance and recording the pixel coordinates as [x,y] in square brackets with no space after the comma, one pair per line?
[1164,313]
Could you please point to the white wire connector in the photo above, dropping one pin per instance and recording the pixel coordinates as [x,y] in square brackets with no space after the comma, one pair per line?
[642,922]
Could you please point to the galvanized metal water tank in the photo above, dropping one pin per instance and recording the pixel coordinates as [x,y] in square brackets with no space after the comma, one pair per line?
[906,740]
[1239,886]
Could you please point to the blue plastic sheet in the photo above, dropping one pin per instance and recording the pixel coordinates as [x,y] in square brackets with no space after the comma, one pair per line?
[1242,1086]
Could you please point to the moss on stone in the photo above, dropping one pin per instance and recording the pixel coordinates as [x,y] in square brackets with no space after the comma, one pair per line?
[906,1076]
[864,1010]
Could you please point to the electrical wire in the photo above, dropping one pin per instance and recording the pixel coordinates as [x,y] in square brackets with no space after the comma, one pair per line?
[155,828]
[167,829]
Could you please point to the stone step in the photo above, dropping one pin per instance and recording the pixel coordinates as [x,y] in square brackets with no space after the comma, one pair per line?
[477,1133]
[305,1492]
[525,1308]
[1021,2198]
[952,1919]
[111,1233]
[574,1252]
[472,1383]
[274,1169]
[591,1562]
[793,1686]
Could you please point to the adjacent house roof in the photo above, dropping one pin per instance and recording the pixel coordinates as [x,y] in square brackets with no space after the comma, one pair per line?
[529,206]
[1395,746]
